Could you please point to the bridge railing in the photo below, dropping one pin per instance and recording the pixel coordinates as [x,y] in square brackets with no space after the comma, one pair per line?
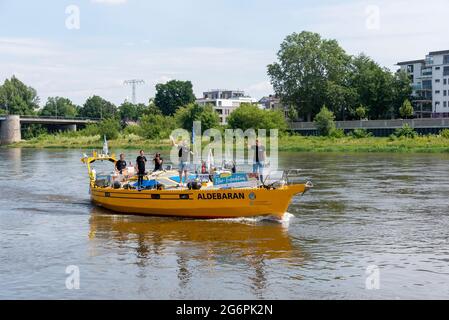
[58,118]
[379,124]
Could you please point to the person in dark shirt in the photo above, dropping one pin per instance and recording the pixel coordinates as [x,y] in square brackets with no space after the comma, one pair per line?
[158,162]
[140,164]
[120,164]
[259,159]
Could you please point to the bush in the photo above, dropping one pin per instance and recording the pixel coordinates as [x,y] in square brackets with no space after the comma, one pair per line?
[337,133]
[249,116]
[156,126]
[406,110]
[33,131]
[324,121]
[108,127]
[406,131]
[185,117]
[133,129]
[360,134]
[445,133]
[361,112]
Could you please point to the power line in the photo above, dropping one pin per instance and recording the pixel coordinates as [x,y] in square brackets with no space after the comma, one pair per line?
[134,84]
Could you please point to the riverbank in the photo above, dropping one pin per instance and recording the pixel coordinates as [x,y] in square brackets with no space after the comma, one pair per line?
[421,144]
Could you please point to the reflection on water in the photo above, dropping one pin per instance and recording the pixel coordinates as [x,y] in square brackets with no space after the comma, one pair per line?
[242,241]
[389,210]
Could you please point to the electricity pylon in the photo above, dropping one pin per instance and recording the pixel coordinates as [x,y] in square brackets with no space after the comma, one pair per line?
[134,84]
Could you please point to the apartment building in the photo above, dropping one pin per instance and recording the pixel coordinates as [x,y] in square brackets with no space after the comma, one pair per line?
[430,81]
[272,102]
[224,101]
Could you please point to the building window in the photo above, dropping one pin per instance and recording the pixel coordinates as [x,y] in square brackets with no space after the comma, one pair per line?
[437,80]
[437,68]
[445,93]
[437,91]
[445,104]
[410,68]
[446,71]
[445,81]
[427,84]
[446,59]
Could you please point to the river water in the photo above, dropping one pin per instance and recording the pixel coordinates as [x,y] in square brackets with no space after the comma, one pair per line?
[376,226]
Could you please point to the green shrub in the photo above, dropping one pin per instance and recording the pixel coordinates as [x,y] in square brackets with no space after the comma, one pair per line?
[185,116]
[133,129]
[250,116]
[361,112]
[445,133]
[337,133]
[156,126]
[406,131]
[108,127]
[33,131]
[406,110]
[324,121]
[360,133]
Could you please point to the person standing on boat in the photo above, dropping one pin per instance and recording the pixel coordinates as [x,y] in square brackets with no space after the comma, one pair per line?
[140,164]
[259,159]
[183,157]
[158,162]
[120,165]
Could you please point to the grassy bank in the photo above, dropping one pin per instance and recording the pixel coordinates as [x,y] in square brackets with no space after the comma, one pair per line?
[92,142]
[421,144]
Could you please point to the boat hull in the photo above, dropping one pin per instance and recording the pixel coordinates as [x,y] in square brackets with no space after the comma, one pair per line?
[211,204]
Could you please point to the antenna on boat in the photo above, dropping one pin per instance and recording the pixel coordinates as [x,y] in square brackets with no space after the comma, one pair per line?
[105,146]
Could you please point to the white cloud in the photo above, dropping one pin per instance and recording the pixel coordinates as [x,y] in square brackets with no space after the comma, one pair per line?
[406,29]
[55,70]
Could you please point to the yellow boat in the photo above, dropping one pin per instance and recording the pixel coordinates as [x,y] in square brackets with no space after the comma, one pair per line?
[211,201]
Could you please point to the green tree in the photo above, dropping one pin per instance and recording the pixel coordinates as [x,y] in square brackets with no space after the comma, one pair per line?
[156,126]
[98,108]
[152,109]
[249,116]
[132,112]
[325,121]
[361,112]
[61,107]
[17,98]
[185,116]
[377,88]
[108,127]
[292,113]
[309,71]
[173,95]
[406,110]
[402,90]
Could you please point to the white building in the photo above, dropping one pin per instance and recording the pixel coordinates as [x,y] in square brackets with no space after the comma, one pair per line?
[224,101]
[430,78]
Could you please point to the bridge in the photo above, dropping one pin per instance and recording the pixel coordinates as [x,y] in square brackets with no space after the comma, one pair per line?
[378,127]
[10,125]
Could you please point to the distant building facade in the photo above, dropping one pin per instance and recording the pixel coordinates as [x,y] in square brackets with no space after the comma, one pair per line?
[224,101]
[272,102]
[430,81]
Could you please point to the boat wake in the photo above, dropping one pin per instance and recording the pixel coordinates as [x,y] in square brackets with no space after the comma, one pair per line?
[284,221]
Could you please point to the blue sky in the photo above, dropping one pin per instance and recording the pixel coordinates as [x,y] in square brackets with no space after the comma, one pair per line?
[214,43]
